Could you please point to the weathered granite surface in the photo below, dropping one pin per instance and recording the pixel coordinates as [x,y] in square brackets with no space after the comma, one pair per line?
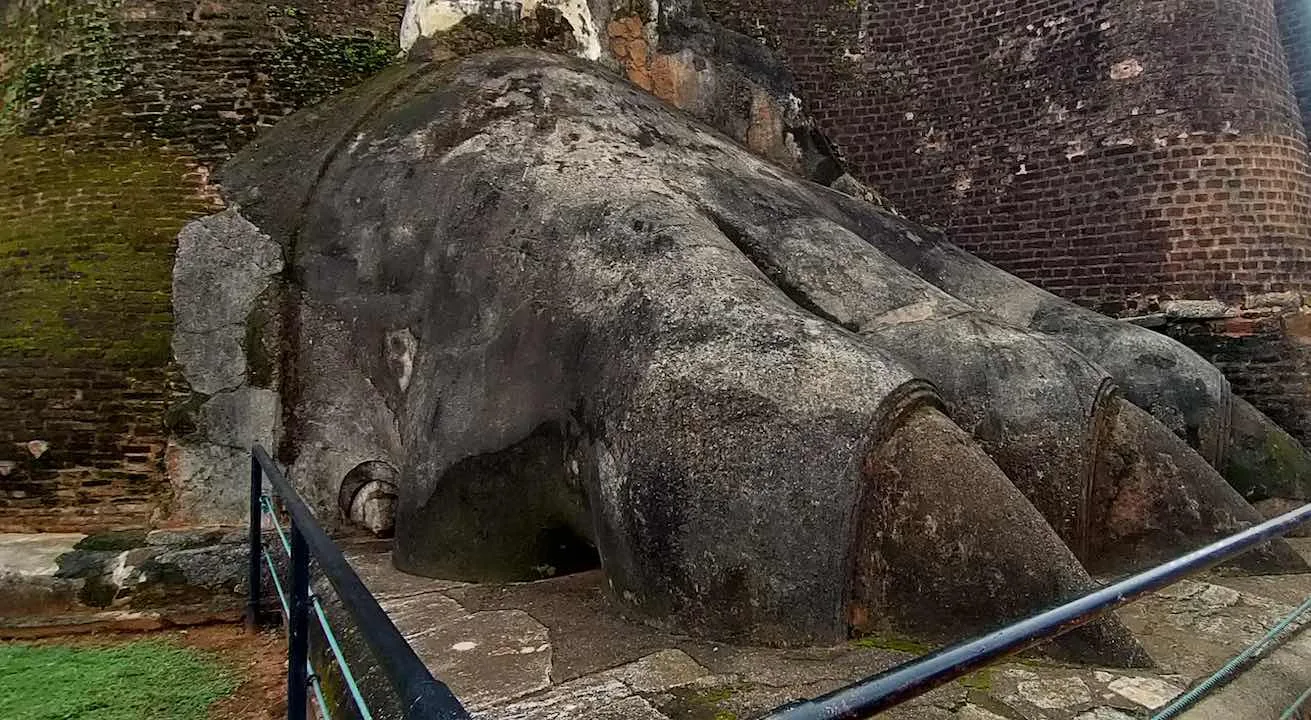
[223,273]
[582,326]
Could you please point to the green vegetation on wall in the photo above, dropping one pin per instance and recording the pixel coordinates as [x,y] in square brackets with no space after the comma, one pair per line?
[89,216]
[111,115]
[86,249]
[59,58]
[309,67]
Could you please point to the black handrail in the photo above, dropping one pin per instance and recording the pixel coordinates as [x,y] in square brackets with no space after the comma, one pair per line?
[421,695]
[424,697]
[866,697]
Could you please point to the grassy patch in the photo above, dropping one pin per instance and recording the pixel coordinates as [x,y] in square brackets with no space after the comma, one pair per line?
[701,703]
[136,681]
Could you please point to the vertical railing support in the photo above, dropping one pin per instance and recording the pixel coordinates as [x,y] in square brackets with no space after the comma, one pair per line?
[299,625]
[254,569]
[422,696]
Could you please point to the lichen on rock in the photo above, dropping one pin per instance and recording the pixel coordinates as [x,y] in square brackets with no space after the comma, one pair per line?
[566,313]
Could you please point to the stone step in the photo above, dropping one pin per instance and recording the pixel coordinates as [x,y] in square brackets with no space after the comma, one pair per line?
[72,579]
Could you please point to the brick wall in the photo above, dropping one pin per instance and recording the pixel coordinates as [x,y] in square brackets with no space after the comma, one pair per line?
[1266,354]
[1107,150]
[1117,152]
[86,236]
[113,113]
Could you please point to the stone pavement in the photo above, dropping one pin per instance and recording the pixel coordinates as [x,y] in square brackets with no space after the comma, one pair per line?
[555,650]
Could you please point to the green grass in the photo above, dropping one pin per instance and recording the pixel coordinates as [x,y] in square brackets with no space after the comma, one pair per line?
[145,680]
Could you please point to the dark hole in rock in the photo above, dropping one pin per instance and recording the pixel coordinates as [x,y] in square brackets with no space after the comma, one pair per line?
[564,552]
[516,514]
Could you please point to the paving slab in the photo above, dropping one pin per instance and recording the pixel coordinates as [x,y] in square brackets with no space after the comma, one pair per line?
[383,580]
[488,658]
[590,661]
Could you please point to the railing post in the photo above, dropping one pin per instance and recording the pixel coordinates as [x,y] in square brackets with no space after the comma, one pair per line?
[299,626]
[254,569]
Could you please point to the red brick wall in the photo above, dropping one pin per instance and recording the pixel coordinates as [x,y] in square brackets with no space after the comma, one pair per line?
[1107,150]
[101,469]
[112,114]
[1116,152]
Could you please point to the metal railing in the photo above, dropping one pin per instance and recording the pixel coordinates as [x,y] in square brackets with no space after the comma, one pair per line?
[423,697]
[879,692]
[419,694]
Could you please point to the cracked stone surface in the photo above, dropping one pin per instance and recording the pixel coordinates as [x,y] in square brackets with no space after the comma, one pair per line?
[556,650]
[1104,713]
[387,582]
[241,417]
[488,658]
[1054,693]
[223,264]
[659,671]
[578,698]
[1151,693]
[210,468]
[969,711]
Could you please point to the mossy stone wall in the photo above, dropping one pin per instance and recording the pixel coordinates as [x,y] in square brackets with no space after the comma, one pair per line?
[113,114]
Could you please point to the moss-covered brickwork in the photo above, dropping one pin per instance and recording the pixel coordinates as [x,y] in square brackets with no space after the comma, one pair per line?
[59,59]
[113,114]
[309,67]
[86,249]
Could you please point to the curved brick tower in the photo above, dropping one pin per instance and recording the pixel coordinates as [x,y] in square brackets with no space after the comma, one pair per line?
[1121,153]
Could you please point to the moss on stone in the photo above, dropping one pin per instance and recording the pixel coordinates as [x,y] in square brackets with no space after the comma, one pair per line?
[1274,466]
[113,541]
[700,703]
[715,695]
[260,342]
[546,29]
[86,250]
[1285,454]
[892,642]
[182,418]
[981,680]
[471,35]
